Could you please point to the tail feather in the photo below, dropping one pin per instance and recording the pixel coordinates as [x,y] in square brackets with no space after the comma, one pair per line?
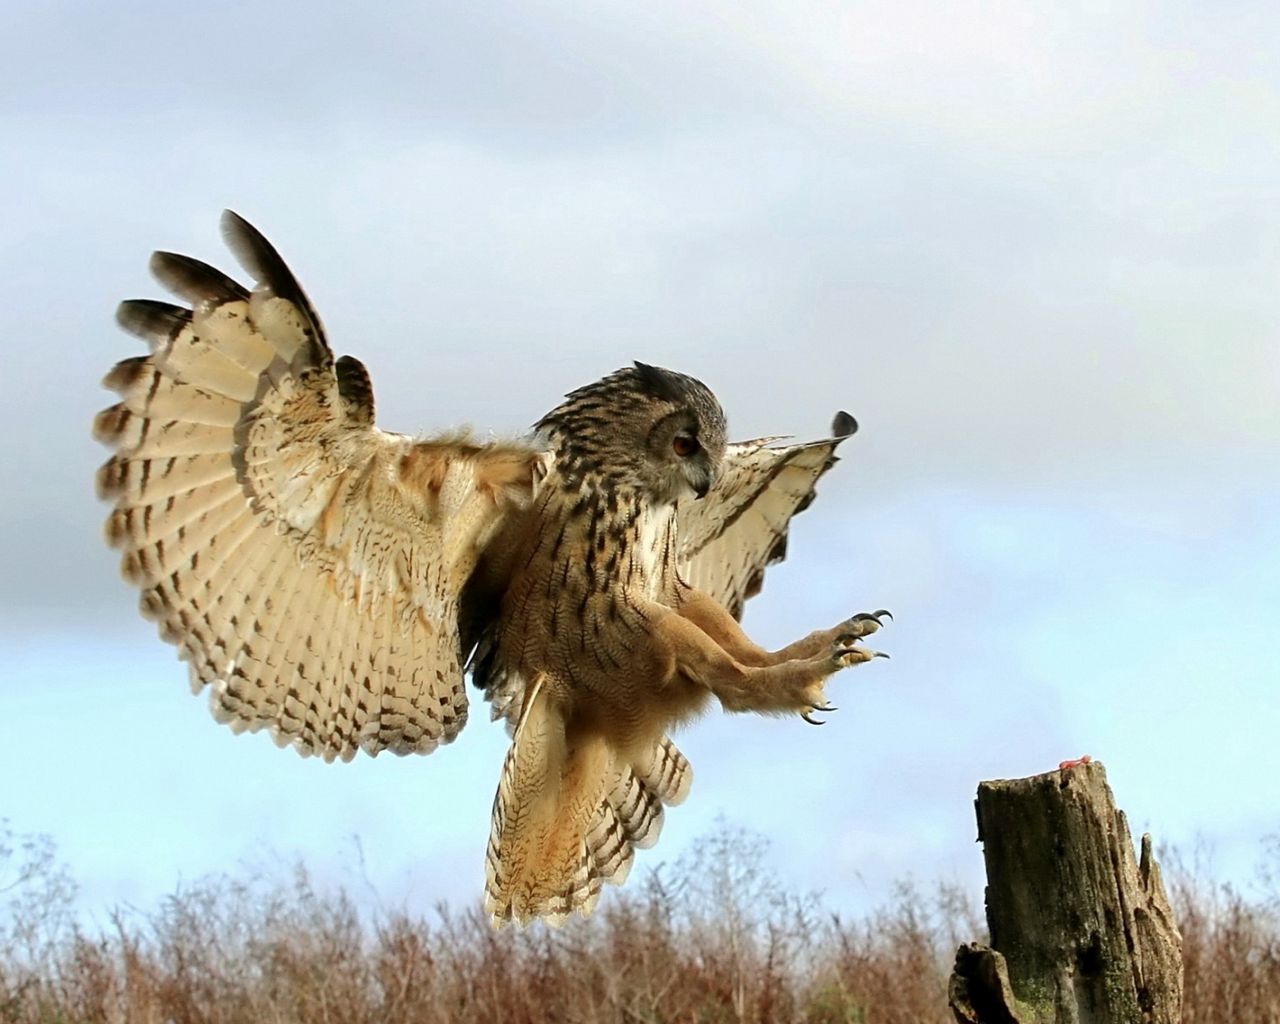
[666,772]
[636,808]
[610,852]
[569,814]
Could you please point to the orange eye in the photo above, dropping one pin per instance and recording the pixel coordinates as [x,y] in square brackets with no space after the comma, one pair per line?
[684,445]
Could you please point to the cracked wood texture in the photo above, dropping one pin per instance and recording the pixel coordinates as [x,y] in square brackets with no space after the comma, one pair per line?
[1081,931]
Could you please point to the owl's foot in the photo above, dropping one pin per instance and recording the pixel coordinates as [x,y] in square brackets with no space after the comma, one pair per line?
[792,680]
[844,652]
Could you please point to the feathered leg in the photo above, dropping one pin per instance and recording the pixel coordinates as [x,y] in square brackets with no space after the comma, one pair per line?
[709,616]
[795,685]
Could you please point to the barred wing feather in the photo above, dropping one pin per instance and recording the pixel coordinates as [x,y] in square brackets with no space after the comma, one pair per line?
[730,537]
[308,565]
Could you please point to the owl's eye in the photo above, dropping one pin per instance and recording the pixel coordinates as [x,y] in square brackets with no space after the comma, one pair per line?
[684,445]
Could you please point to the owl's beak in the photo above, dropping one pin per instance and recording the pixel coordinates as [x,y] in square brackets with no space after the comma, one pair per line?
[704,482]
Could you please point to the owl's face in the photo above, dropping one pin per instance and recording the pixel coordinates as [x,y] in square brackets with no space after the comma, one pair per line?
[654,429]
[685,442]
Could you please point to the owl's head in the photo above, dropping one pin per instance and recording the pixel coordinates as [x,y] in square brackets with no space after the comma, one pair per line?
[642,426]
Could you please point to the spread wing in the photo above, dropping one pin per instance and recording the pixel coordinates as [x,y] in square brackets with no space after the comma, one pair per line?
[730,537]
[308,565]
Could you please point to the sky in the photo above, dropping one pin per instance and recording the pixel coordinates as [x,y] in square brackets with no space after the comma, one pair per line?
[1034,249]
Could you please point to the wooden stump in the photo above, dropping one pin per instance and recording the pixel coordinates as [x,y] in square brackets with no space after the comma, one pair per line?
[1081,933]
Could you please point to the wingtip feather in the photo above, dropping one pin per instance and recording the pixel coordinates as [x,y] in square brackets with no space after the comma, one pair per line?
[260,258]
[193,280]
[152,321]
[843,425]
[125,374]
[246,243]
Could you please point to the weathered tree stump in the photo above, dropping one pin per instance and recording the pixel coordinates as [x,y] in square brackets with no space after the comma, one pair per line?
[1080,932]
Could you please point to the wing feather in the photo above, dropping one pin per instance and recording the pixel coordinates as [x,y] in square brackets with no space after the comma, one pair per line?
[731,536]
[308,565]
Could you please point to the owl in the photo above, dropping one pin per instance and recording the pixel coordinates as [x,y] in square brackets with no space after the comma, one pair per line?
[333,583]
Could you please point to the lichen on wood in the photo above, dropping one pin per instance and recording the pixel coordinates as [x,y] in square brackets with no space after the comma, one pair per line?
[1081,930]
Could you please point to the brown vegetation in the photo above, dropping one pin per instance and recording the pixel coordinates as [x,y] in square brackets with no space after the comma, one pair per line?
[1230,944]
[709,939]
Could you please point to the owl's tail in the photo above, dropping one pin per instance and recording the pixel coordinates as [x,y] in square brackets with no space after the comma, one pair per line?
[569,814]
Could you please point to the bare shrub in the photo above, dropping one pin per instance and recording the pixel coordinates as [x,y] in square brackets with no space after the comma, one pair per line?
[1230,943]
[711,938]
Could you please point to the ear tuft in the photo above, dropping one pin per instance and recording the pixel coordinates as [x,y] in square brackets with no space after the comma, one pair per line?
[659,382]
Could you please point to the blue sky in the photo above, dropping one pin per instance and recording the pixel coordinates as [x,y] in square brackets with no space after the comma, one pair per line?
[1035,251]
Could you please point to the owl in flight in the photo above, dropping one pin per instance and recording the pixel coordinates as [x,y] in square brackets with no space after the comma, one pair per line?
[332,582]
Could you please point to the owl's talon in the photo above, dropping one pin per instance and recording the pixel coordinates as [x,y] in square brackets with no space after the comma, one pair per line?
[845,653]
[861,625]
[812,721]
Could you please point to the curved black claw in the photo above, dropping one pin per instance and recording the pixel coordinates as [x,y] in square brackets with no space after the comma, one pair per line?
[810,720]
[875,616]
[880,654]
[825,708]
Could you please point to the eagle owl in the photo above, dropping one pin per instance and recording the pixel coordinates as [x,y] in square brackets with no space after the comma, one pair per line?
[332,582]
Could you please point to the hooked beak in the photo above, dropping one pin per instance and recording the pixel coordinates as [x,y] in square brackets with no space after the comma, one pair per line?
[704,483]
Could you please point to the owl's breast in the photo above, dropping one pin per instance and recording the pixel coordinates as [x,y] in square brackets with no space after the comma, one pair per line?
[579,601]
